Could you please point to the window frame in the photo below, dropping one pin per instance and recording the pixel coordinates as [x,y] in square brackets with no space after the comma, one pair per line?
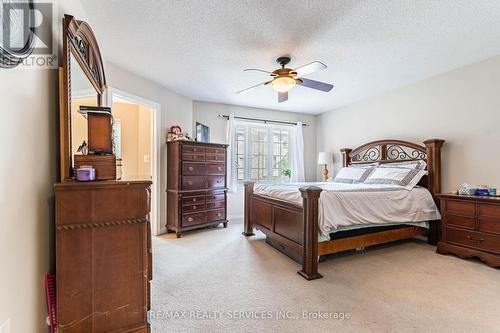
[269,152]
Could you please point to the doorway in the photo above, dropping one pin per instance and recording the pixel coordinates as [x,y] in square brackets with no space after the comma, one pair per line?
[136,141]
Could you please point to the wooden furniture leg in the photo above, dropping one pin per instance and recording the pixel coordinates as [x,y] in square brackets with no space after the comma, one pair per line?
[248,227]
[310,195]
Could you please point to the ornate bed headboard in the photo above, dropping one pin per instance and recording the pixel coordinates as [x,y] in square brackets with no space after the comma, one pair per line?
[391,151]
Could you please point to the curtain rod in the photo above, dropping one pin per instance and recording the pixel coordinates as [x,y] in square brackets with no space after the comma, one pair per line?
[263,120]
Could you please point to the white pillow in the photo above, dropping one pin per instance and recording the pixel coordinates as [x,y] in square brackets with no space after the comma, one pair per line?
[404,177]
[353,174]
[418,165]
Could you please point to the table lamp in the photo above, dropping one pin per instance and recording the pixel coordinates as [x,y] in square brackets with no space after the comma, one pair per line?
[325,159]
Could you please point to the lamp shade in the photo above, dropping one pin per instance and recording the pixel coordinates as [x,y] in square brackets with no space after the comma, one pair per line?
[325,158]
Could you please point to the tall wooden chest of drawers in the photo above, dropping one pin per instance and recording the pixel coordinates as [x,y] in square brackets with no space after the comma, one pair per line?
[196,185]
[103,256]
[471,227]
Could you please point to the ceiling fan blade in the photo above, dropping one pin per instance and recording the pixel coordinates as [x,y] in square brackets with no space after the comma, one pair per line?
[257,70]
[309,68]
[315,84]
[282,97]
[253,87]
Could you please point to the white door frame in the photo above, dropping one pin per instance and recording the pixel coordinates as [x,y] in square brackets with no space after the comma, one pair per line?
[156,158]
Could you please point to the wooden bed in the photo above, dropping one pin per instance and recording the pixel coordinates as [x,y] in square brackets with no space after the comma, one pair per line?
[293,229]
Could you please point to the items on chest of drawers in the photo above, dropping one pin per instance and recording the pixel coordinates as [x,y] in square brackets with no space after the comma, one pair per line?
[196,185]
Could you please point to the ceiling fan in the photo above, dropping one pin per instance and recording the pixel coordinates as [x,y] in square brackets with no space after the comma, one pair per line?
[285,79]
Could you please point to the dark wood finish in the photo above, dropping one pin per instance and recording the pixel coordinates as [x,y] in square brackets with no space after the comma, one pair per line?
[293,229]
[100,133]
[471,227]
[196,194]
[104,165]
[103,256]
[79,41]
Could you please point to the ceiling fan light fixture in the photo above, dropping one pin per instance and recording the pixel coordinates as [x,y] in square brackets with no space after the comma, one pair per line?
[283,83]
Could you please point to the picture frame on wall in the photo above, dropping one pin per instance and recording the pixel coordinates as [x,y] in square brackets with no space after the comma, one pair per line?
[202,132]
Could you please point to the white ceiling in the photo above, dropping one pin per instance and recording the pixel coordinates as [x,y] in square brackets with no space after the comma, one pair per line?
[198,48]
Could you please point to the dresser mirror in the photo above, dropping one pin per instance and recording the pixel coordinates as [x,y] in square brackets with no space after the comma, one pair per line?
[81,82]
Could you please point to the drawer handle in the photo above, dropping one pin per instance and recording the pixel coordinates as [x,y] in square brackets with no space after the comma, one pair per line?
[190,219]
[194,207]
[475,240]
[219,168]
[190,183]
[194,199]
[219,214]
[190,168]
[194,157]
[219,181]
[194,149]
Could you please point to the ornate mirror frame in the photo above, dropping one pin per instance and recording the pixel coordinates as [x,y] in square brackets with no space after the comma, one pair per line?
[78,40]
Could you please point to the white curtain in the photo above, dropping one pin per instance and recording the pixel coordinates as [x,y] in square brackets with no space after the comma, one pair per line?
[297,154]
[231,155]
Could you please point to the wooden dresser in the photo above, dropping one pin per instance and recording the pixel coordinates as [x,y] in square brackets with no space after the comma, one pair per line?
[471,227]
[196,182]
[103,256]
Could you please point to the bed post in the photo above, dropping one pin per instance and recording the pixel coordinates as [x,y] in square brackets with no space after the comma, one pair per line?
[433,152]
[345,156]
[310,195]
[248,227]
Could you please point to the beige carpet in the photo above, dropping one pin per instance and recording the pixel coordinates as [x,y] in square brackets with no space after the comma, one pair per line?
[403,287]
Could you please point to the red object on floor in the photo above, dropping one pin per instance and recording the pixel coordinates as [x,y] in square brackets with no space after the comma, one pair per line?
[50,295]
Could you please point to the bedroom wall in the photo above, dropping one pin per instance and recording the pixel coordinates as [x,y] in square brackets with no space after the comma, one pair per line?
[28,170]
[461,106]
[175,109]
[207,114]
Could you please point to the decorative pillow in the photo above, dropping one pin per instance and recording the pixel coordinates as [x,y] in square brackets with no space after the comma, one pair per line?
[353,174]
[407,178]
[417,165]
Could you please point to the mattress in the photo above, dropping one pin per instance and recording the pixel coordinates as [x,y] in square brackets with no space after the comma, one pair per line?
[350,206]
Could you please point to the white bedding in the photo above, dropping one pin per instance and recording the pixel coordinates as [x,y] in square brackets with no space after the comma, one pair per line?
[348,206]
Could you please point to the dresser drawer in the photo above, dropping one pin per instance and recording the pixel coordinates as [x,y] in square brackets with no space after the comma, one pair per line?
[193,157]
[200,199]
[216,204]
[193,182]
[193,219]
[477,240]
[489,225]
[215,197]
[193,208]
[459,221]
[215,157]
[460,208]
[216,215]
[211,150]
[193,149]
[193,169]
[216,169]
[215,181]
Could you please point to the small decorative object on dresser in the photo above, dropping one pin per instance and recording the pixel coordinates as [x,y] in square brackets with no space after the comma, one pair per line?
[470,227]
[196,182]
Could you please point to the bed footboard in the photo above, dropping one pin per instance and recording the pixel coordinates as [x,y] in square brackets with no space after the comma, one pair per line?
[289,228]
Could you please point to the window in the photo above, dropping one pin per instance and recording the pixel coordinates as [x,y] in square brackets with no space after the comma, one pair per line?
[261,151]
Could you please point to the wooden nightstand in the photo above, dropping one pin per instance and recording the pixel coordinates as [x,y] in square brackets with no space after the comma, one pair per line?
[470,227]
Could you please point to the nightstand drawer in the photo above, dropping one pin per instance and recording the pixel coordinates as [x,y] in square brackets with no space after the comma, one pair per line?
[459,221]
[473,239]
[486,210]
[460,208]
[489,225]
